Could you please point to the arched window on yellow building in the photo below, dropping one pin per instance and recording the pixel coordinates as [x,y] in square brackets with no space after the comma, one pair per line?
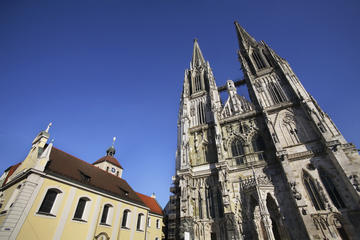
[48,202]
[80,209]
[157,223]
[140,222]
[105,217]
[125,219]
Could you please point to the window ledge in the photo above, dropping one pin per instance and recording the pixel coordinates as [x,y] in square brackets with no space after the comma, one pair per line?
[139,230]
[126,228]
[105,224]
[46,214]
[3,212]
[79,220]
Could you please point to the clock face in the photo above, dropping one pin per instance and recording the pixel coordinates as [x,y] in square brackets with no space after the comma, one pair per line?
[113,170]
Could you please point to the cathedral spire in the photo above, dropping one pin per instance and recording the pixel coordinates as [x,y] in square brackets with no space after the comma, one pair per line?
[197,58]
[245,39]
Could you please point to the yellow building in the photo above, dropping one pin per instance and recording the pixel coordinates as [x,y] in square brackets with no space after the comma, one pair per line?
[54,195]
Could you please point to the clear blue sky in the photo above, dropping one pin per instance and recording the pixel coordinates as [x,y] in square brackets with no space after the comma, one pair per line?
[99,69]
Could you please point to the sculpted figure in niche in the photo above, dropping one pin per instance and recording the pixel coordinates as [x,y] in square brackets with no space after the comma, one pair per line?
[354,179]
[292,132]
[295,192]
[192,111]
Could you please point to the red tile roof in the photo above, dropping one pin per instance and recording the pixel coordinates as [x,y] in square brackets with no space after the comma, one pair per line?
[109,159]
[151,203]
[66,166]
[11,171]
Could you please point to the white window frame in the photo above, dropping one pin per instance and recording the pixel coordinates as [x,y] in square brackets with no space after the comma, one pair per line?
[127,219]
[142,218]
[158,223]
[109,216]
[85,215]
[57,202]
[149,222]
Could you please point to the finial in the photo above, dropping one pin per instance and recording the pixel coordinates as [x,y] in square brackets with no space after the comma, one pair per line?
[195,39]
[48,127]
[52,141]
[111,150]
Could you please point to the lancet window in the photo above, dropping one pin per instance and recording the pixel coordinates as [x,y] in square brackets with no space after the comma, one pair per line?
[210,204]
[197,83]
[201,113]
[313,192]
[237,150]
[200,206]
[331,189]
[259,62]
[276,93]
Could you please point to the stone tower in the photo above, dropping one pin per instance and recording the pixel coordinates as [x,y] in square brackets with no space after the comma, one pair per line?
[275,167]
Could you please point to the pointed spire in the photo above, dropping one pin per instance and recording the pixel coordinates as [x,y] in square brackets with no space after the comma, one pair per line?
[244,38]
[48,127]
[111,150]
[197,58]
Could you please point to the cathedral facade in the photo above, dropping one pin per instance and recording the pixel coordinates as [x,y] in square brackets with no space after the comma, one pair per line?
[274,167]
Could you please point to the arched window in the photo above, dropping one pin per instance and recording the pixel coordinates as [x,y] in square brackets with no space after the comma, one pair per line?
[276,93]
[149,222]
[80,209]
[125,219]
[237,151]
[259,62]
[200,206]
[158,224]
[210,203]
[313,192]
[201,113]
[139,225]
[105,217]
[237,148]
[197,83]
[49,200]
[331,189]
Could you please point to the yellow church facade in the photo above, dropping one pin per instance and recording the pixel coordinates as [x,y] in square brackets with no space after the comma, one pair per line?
[54,195]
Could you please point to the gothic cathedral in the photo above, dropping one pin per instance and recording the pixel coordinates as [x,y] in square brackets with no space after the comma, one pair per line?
[274,167]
